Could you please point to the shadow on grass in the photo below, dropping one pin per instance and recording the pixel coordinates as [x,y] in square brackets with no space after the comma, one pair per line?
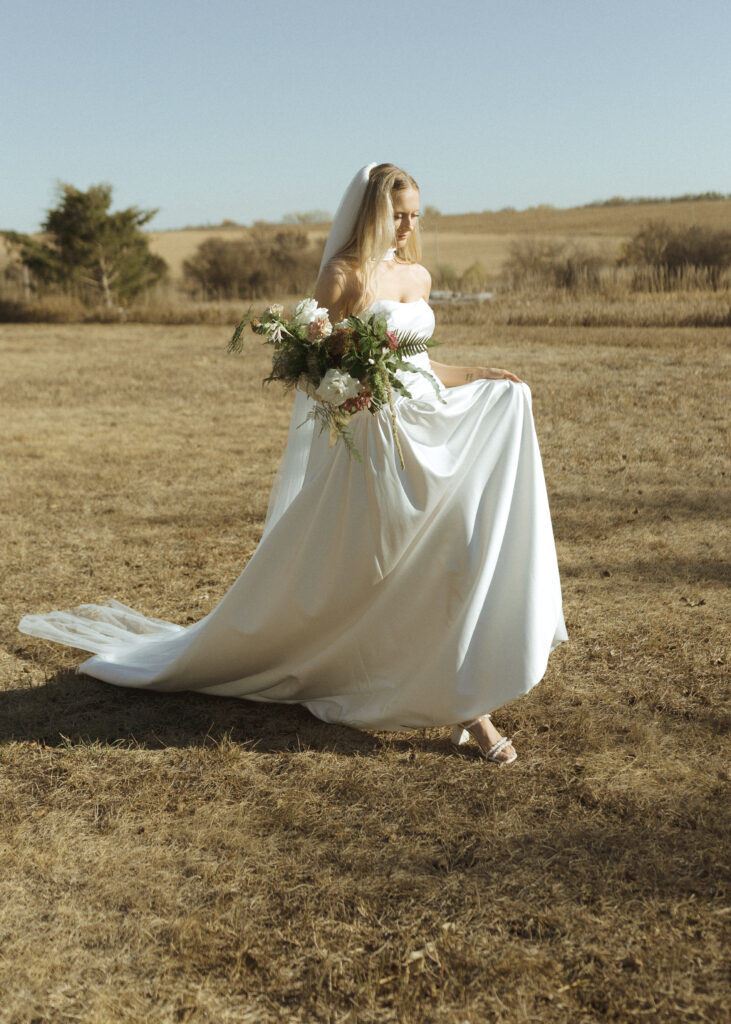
[76,708]
[571,507]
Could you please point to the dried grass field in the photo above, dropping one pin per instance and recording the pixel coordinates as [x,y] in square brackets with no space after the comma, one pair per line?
[459,240]
[182,858]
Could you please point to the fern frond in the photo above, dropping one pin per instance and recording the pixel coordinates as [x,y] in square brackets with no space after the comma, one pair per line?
[350,444]
[236,344]
[410,344]
[403,364]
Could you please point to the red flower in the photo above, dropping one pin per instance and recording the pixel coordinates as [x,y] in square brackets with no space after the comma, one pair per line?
[361,401]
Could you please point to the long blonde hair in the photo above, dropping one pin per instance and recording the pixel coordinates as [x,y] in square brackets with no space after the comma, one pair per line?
[373,234]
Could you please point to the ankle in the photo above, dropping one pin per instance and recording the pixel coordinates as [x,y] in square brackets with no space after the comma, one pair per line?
[474,721]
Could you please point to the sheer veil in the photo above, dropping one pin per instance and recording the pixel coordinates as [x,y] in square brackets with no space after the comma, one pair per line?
[302,435]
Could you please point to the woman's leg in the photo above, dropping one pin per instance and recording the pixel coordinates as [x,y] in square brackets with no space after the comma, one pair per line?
[489,740]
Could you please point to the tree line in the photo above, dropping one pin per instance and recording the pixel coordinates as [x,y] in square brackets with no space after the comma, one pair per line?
[103,258]
[658,257]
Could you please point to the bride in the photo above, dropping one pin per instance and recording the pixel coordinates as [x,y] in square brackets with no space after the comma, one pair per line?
[379,596]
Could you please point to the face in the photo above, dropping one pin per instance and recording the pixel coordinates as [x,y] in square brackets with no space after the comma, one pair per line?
[405,214]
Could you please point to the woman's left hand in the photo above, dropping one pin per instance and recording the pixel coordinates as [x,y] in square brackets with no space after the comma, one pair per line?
[453,376]
[491,373]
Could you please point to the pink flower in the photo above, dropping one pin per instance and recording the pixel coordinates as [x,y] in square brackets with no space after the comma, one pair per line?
[392,340]
[319,328]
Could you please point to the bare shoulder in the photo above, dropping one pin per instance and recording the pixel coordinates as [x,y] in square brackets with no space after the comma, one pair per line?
[422,277]
[333,279]
[336,285]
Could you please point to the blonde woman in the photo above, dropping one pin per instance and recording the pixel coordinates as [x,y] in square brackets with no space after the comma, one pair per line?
[378,268]
[381,595]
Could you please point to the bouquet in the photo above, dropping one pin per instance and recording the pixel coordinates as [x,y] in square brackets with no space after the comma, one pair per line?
[346,368]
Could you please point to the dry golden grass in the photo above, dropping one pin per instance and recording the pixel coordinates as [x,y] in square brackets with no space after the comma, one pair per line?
[452,244]
[451,241]
[612,307]
[560,308]
[459,240]
[182,858]
[588,220]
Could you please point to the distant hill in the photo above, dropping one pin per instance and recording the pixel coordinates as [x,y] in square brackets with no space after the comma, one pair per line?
[461,239]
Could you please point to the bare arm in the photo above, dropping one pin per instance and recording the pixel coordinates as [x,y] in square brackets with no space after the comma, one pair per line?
[453,376]
[336,290]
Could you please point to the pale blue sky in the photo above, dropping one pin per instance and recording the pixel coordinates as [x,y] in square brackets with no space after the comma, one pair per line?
[252,109]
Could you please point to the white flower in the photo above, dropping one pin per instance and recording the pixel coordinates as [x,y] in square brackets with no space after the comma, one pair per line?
[307,311]
[336,387]
[276,309]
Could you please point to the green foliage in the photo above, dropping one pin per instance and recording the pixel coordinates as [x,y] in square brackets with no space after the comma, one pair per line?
[89,252]
[673,250]
[265,261]
[410,344]
[347,368]
[237,338]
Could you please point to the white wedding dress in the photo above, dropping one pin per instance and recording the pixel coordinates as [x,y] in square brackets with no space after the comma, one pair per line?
[379,597]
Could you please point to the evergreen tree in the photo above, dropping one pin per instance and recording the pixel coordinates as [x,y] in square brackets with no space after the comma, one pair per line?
[89,251]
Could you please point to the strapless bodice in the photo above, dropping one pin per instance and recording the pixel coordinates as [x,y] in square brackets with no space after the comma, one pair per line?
[415,317]
[409,318]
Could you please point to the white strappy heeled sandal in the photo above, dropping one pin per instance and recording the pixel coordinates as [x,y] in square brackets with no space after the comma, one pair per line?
[461,734]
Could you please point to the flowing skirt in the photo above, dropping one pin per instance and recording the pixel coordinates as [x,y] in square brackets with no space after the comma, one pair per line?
[381,597]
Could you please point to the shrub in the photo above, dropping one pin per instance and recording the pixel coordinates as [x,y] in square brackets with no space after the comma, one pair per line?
[540,263]
[51,309]
[673,252]
[471,281]
[267,260]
